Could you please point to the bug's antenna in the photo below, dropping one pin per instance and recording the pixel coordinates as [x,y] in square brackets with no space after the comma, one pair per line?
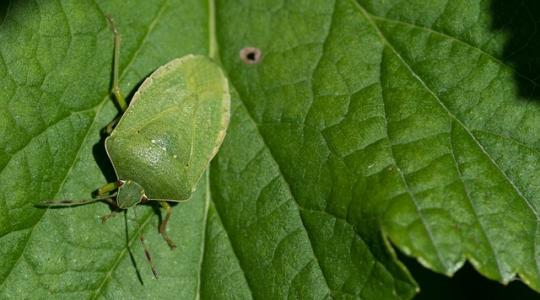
[116,66]
[62,203]
[146,252]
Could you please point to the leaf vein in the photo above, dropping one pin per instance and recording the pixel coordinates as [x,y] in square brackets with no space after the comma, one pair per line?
[471,204]
[250,117]
[234,251]
[121,255]
[31,228]
[453,38]
[98,110]
[450,113]
[406,184]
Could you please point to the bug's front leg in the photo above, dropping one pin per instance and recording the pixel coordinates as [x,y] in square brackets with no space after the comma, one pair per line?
[163,226]
[103,192]
[111,125]
[106,217]
[109,187]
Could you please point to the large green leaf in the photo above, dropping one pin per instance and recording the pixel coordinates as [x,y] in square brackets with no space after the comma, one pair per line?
[364,122]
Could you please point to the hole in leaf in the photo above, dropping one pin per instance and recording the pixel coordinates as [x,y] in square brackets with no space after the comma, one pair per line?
[250,55]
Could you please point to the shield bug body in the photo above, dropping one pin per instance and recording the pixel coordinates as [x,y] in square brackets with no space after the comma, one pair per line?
[167,136]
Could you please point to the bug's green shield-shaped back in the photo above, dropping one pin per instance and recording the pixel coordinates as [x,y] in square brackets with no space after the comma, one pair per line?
[172,128]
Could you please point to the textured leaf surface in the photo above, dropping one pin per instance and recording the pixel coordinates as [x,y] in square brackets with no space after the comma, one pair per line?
[365,121]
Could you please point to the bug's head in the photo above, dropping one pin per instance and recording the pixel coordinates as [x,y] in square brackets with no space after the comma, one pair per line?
[129,194]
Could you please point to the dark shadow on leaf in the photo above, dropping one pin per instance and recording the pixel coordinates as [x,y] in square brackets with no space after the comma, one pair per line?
[520,20]
[4,8]
[157,211]
[102,159]
[466,284]
[98,150]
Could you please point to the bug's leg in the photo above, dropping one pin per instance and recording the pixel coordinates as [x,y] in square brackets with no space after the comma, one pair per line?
[109,187]
[163,226]
[106,217]
[148,257]
[103,191]
[146,251]
[111,125]
[121,100]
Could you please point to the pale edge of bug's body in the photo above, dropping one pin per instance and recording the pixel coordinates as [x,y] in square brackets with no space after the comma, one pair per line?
[219,138]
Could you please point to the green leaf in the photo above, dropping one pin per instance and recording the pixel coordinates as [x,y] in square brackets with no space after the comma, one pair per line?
[364,122]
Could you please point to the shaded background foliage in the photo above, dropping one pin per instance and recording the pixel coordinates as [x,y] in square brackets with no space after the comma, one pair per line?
[466,284]
[520,21]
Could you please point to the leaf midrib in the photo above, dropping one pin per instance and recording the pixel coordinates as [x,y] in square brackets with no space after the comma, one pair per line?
[293,197]
[213,53]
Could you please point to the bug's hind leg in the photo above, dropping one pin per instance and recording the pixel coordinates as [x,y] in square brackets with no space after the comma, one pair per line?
[163,226]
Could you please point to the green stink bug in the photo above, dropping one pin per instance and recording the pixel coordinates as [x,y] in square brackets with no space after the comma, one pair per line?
[167,136]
